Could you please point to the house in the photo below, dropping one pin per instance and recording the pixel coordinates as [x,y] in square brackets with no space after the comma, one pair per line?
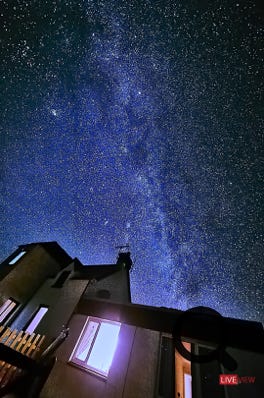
[119,349]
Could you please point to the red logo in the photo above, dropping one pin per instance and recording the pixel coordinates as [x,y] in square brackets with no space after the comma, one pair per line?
[228,379]
[235,379]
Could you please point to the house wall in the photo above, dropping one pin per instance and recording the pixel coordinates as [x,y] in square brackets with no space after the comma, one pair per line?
[205,376]
[247,364]
[143,364]
[132,374]
[116,284]
[61,303]
[27,275]
[5,266]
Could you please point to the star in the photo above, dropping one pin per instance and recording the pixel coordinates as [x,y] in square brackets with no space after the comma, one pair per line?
[54,112]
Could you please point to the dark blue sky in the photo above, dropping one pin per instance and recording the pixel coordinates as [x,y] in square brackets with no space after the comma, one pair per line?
[139,122]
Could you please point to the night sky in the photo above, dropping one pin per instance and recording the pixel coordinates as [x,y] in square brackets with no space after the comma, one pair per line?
[139,122]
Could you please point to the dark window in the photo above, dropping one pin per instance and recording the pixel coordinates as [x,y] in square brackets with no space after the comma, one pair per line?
[61,279]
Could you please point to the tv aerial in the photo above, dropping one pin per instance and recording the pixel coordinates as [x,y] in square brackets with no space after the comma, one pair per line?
[123,248]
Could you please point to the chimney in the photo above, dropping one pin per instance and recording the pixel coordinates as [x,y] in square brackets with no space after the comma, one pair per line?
[125,259]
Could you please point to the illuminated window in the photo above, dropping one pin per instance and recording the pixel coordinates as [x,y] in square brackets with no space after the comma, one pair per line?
[7,308]
[17,257]
[96,346]
[33,323]
[187,385]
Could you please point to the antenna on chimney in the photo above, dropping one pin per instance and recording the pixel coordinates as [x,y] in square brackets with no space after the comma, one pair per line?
[123,248]
[124,256]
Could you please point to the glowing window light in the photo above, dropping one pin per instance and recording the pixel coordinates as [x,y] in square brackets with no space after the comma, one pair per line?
[96,346]
[102,353]
[86,341]
[36,319]
[187,385]
[6,309]
[17,257]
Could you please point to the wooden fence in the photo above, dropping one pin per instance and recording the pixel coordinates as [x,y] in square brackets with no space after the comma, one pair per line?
[25,343]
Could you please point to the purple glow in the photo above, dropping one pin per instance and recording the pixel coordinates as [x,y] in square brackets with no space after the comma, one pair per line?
[86,341]
[96,346]
[37,318]
[6,308]
[104,348]
[187,385]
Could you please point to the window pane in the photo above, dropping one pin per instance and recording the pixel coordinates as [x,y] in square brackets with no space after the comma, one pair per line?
[86,341]
[6,308]
[187,385]
[104,347]
[37,318]
[18,256]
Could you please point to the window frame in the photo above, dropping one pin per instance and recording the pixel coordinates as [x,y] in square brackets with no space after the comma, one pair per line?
[7,309]
[83,365]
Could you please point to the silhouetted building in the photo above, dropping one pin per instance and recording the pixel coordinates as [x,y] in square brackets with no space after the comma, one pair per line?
[116,348]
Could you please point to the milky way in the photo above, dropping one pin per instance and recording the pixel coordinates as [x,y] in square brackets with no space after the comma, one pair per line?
[139,122]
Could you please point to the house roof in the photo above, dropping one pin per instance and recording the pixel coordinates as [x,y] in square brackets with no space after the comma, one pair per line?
[197,325]
[97,272]
[54,250]
[101,271]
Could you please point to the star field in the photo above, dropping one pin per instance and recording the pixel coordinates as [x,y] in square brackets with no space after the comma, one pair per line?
[139,122]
